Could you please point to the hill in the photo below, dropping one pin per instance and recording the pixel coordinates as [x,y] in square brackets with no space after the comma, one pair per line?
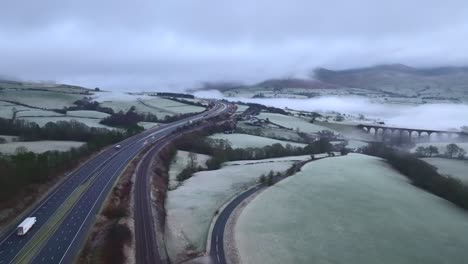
[42,86]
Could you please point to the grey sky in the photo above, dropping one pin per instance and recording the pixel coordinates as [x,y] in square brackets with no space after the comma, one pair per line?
[175,44]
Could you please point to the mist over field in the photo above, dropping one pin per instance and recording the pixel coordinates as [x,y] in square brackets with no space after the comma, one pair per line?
[428,116]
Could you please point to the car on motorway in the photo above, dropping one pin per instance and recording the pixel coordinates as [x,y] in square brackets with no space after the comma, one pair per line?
[118,146]
[24,227]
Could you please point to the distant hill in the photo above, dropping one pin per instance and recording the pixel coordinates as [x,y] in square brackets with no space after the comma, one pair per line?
[296,83]
[395,77]
[42,86]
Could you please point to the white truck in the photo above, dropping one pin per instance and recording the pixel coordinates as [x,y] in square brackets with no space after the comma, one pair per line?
[24,227]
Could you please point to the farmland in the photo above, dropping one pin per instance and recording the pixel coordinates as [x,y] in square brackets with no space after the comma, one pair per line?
[39,146]
[246,141]
[450,167]
[352,209]
[192,205]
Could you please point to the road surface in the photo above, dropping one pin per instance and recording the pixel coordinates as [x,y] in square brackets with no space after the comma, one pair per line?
[100,173]
[217,235]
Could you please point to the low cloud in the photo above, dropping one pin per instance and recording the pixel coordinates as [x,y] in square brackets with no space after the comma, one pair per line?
[174,45]
[427,116]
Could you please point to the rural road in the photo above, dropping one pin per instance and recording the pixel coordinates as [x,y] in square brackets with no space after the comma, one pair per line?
[217,235]
[100,173]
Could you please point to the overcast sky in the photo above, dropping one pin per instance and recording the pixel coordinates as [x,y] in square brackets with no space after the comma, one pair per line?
[143,44]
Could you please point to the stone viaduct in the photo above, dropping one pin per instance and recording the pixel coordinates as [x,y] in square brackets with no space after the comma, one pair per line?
[386,131]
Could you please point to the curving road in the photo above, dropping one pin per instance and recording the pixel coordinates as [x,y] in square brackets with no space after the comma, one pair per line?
[217,235]
[99,173]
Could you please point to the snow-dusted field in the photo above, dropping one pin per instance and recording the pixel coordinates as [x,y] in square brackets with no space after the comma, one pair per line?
[36,112]
[180,162]
[192,205]
[87,114]
[91,122]
[42,99]
[148,125]
[158,106]
[351,209]
[356,144]
[271,132]
[249,141]
[6,109]
[292,122]
[450,167]
[241,108]
[39,146]
[173,106]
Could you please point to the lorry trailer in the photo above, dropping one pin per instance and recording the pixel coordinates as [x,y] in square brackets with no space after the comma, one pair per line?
[24,227]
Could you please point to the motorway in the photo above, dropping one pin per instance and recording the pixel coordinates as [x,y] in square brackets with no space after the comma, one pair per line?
[145,235]
[100,173]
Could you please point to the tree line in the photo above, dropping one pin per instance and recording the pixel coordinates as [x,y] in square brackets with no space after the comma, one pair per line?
[221,151]
[23,169]
[451,151]
[422,174]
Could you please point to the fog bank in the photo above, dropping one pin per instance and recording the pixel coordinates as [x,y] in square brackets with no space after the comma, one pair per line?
[428,116]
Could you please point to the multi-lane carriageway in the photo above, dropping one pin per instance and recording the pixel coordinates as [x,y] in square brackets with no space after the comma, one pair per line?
[99,173]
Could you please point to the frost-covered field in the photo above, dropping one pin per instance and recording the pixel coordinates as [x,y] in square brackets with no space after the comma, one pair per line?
[351,209]
[192,205]
[39,146]
[241,108]
[180,162]
[42,99]
[6,109]
[271,132]
[356,144]
[148,125]
[87,114]
[441,146]
[91,122]
[451,167]
[292,122]
[157,106]
[36,112]
[173,106]
[249,141]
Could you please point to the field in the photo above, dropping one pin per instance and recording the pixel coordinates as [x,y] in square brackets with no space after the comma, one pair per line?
[351,209]
[192,205]
[179,162]
[41,99]
[39,146]
[148,125]
[241,108]
[249,141]
[450,167]
[91,122]
[292,122]
[87,114]
[271,132]
[157,106]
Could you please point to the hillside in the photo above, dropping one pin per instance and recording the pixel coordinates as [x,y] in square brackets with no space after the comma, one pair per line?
[42,86]
[399,78]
